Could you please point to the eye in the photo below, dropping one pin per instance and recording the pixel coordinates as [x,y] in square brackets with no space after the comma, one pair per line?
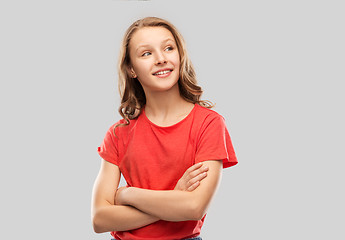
[169,48]
[145,54]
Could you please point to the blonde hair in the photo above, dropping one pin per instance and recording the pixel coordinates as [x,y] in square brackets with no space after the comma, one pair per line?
[131,92]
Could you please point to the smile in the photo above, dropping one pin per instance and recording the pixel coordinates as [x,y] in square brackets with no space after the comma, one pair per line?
[162,72]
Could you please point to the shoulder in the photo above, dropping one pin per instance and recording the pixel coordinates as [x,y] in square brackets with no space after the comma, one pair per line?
[206,114]
[208,120]
[121,128]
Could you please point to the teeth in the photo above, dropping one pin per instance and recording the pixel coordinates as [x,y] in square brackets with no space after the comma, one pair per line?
[162,72]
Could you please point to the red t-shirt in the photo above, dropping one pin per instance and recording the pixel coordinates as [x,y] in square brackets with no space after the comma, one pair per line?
[154,157]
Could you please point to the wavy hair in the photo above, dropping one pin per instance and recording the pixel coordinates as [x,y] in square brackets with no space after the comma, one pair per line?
[131,92]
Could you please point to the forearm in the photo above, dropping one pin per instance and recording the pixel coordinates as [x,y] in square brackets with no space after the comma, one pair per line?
[120,218]
[175,205]
[170,205]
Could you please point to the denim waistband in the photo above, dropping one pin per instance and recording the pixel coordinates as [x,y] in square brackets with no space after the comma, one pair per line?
[196,238]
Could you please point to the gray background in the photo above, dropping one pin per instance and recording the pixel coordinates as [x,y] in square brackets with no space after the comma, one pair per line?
[274,68]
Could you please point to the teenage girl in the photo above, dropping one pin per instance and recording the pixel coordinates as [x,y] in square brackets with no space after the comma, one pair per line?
[170,146]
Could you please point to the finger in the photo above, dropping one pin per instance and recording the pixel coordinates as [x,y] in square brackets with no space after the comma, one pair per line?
[198,178]
[193,186]
[187,174]
[194,167]
[201,176]
[198,172]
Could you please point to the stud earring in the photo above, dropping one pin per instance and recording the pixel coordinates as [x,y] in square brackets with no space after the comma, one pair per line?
[133,74]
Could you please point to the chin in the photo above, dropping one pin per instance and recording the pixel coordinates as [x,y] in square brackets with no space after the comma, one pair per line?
[166,84]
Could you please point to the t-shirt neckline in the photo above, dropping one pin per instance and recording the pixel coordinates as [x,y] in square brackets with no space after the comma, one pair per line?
[173,125]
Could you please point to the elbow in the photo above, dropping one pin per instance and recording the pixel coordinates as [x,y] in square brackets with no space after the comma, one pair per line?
[197,215]
[96,223]
[197,211]
[96,227]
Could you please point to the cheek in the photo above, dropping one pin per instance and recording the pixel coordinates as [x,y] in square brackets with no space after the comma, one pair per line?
[139,67]
[176,60]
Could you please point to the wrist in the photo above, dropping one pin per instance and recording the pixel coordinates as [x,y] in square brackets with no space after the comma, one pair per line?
[121,196]
[133,195]
[125,196]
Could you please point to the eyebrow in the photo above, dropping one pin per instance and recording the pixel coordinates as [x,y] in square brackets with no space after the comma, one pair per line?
[147,45]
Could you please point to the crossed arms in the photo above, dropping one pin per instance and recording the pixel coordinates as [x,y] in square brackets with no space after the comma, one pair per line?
[129,208]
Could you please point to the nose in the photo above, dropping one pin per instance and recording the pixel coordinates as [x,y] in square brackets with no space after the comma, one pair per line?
[160,58]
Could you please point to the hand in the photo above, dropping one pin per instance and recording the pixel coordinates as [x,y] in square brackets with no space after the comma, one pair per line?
[119,199]
[191,178]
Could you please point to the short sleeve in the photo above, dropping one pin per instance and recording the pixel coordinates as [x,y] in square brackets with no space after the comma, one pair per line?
[108,150]
[214,142]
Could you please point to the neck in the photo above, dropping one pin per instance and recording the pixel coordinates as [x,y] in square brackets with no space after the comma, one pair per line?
[165,104]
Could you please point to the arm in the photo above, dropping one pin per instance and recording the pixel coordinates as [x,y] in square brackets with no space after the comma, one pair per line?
[109,217]
[175,205]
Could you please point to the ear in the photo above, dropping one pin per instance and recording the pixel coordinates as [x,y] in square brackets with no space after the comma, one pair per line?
[131,72]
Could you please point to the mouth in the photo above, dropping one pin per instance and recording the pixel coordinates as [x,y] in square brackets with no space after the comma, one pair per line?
[162,72]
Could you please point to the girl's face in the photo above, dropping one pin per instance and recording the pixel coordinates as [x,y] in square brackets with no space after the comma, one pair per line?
[155,59]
